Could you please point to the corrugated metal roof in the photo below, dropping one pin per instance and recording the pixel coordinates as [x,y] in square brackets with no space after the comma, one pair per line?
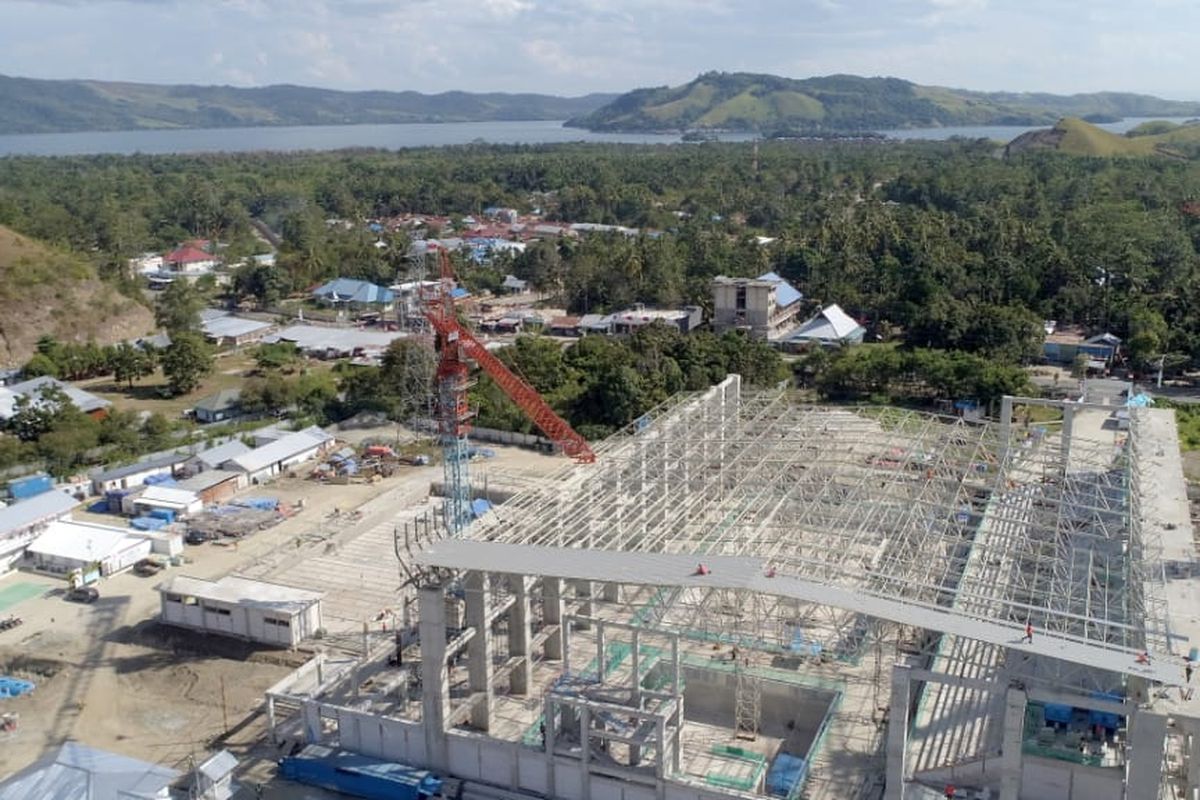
[237,590]
[156,462]
[831,325]
[222,327]
[349,290]
[168,496]
[785,293]
[84,401]
[48,505]
[280,450]
[81,541]
[79,772]
[216,456]
[343,340]
[209,478]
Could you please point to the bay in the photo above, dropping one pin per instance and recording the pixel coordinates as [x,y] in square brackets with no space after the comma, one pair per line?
[337,137]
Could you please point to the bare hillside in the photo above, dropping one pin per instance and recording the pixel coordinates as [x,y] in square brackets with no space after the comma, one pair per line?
[46,291]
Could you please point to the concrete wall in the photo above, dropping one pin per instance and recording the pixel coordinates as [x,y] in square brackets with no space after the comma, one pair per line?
[479,758]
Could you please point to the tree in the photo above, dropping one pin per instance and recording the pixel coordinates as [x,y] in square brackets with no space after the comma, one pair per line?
[35,415]
[1148,333]
[186,361]
[179,308]
[40,364]
[130,363]
[277,356]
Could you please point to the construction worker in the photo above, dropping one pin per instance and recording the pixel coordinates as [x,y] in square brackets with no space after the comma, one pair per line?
[1029,632]
[1187,672]
[949,791]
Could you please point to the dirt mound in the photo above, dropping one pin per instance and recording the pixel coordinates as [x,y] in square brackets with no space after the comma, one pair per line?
[44,291]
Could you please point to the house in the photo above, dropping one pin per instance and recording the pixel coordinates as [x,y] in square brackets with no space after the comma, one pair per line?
[88,403]
[77,772]
[354,293]
[1064,345]
[514,285]
[214,486]
[266,462]
[23,521]
[241,608]
[765,307]
[66,546]
[175,500]
[135,474]
[685,319]
[225,404]
[595,323]
[227,330]
[214,457]
[190,260]
[832,326]
[564,326]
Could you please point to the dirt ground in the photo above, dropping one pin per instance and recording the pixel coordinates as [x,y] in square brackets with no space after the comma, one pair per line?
[109,676]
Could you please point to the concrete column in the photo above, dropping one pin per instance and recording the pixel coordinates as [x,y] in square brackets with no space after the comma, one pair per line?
[1014,729]
[676,744]
[479,649]
[435,678]
[583,591]
[677,676]
[519,635]
[551,735]
[271,718]
[1191,752]
[552,614]
[897,735]
[1147,736]
[585,750]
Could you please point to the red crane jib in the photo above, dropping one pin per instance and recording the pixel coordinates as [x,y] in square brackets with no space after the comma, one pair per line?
[525,396]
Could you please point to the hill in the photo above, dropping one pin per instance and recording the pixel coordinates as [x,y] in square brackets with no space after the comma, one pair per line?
[848,103]
[46,291]
[1076,137]
[29,105]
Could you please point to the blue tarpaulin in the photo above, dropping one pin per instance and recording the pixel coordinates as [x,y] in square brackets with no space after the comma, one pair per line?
[261,503]
[1058,712]
[148,523]
[161,480]
[165,514]
[785,773]
[14,687]
[480,507]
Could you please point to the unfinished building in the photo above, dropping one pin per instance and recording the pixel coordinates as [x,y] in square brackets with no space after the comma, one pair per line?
[746,595]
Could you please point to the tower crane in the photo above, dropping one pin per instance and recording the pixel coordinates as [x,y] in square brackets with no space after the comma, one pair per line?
[456,348]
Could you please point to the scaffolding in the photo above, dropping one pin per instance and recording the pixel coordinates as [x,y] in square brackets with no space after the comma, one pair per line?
[976,528]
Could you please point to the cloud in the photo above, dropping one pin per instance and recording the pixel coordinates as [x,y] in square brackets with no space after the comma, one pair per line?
[575,46]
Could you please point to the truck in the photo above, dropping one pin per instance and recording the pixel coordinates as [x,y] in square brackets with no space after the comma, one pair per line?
[362,776]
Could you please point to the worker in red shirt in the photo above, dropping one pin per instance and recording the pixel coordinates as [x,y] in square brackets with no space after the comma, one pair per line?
[949,791]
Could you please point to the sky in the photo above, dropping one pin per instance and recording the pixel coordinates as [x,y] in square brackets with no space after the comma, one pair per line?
[578,46]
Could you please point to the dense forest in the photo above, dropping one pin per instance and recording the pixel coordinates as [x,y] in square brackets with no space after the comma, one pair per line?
[951,255]
[938,245]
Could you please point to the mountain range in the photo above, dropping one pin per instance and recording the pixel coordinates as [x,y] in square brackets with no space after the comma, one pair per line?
[847,103]
[30,105]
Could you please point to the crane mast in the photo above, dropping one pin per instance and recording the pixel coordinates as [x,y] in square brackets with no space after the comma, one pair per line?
[456,348]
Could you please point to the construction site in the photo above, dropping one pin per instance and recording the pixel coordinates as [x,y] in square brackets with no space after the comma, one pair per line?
[746,595]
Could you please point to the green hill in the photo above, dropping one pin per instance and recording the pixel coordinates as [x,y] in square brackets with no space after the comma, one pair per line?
[29,105]
[48,291]
[848,103]
[1076,137]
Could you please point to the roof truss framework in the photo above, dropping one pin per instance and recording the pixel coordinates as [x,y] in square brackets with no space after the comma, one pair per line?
[875,513]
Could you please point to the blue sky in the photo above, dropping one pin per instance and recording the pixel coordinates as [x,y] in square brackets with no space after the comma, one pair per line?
[578,46]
